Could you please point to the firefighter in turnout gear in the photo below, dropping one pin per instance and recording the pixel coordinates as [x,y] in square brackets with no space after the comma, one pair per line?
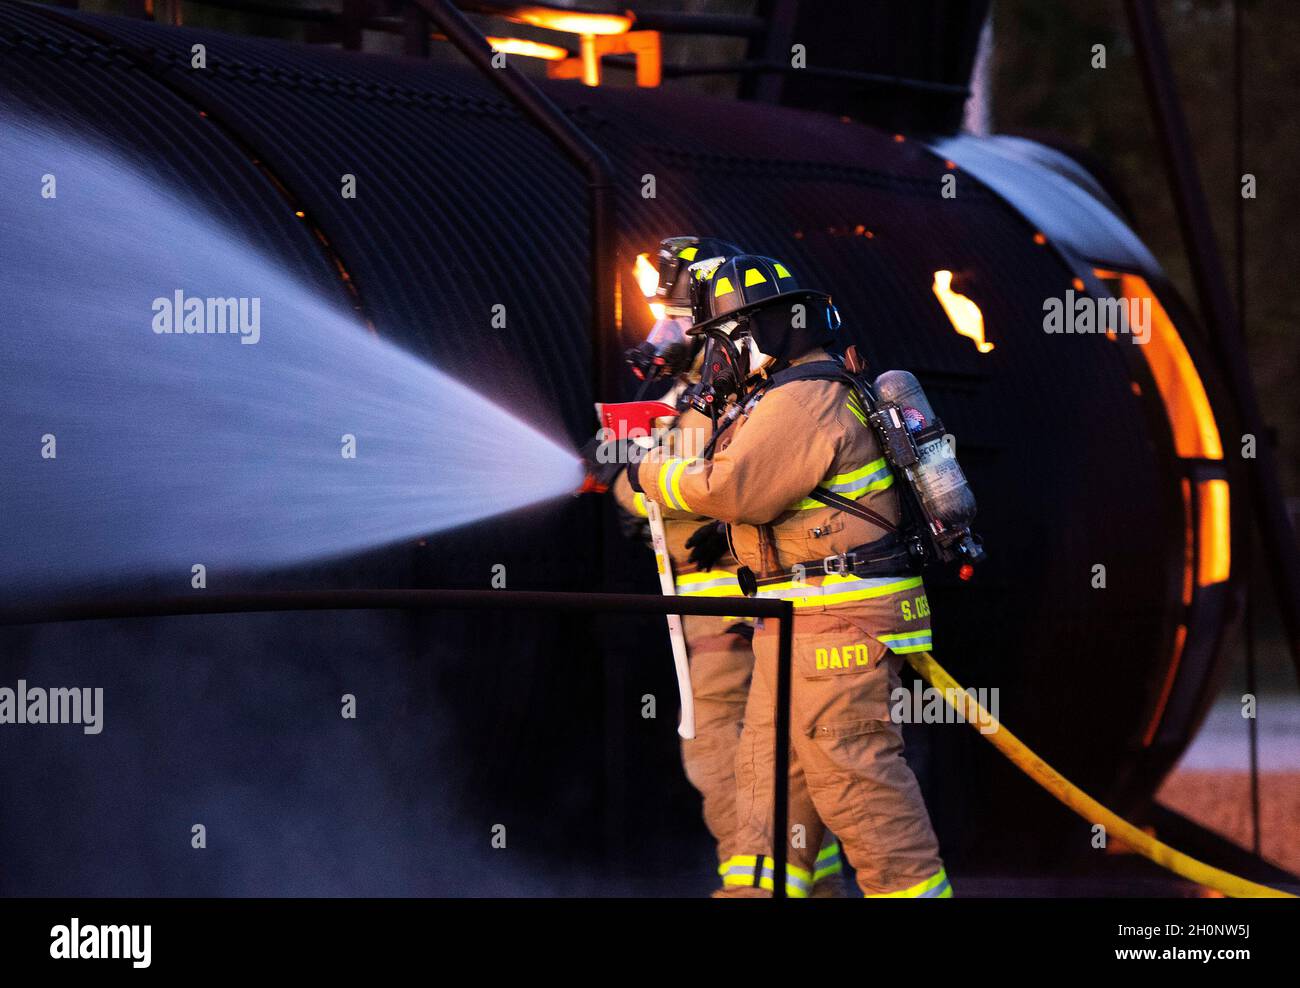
[720,653]
[800,478]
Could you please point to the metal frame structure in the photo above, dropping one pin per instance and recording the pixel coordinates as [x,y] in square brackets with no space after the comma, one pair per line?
[781,611]
[1218,314]
[759,77]
[576,146]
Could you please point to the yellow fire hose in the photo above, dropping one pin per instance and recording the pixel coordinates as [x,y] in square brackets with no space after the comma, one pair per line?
[1075,798]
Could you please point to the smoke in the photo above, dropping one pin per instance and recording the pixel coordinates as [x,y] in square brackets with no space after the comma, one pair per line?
[172,398]
[232,724]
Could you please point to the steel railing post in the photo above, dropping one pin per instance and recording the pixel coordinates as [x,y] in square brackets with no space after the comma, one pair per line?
[781,770]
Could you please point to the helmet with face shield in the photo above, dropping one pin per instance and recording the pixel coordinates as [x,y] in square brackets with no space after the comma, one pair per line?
[668,351]
[755,319]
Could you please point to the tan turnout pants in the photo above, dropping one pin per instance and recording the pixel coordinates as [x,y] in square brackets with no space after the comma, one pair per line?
[846,748]
[722,662]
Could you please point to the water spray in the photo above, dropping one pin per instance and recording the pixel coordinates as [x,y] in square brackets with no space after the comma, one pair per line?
[174,397]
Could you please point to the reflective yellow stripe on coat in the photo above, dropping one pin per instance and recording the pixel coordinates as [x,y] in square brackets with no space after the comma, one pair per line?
[670,481]
[709,583]
[875,476]
[836,589]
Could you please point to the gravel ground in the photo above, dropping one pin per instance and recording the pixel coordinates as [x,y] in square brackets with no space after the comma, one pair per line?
[1211,784]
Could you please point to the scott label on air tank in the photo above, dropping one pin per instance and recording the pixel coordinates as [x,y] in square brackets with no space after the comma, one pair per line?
[920,451]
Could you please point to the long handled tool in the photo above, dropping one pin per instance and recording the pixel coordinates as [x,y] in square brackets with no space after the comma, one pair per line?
[635,421]
[665,566]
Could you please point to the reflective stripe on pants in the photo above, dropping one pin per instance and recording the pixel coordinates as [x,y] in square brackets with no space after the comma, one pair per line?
[740,871]
[829,862]
[935,887]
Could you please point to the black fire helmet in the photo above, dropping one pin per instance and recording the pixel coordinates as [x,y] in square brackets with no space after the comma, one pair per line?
[761,294]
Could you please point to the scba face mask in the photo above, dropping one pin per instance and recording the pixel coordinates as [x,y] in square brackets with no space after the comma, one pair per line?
[731,360]
[666,352]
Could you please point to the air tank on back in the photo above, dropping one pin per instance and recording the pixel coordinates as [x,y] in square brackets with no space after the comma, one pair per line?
[943,496]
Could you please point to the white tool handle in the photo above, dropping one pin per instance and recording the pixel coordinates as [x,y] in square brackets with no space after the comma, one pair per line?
[665,566]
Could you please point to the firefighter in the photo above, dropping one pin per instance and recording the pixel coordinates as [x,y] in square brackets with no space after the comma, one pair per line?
[720,653]
[813,511]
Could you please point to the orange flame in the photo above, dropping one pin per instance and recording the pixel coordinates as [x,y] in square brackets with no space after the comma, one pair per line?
[528,49]
[571,22]
[647,275]
[1196,433]
[1215,532]
[964,314]
[647,279]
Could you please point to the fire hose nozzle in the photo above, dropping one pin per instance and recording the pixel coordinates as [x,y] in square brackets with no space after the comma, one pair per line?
[620,424]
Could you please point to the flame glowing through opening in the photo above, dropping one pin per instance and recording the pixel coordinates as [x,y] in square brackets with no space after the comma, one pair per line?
[528,49]
[647,279]
[963,313]
[134,452]
[571,22]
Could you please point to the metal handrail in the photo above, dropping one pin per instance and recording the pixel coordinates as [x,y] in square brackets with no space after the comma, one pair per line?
[666,22]
[875,80]
[431,600]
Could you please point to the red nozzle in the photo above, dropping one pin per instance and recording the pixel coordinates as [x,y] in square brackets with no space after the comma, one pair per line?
[632,418]
[591,486]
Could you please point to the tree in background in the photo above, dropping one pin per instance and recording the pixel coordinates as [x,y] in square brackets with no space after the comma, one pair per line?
[1044,81]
